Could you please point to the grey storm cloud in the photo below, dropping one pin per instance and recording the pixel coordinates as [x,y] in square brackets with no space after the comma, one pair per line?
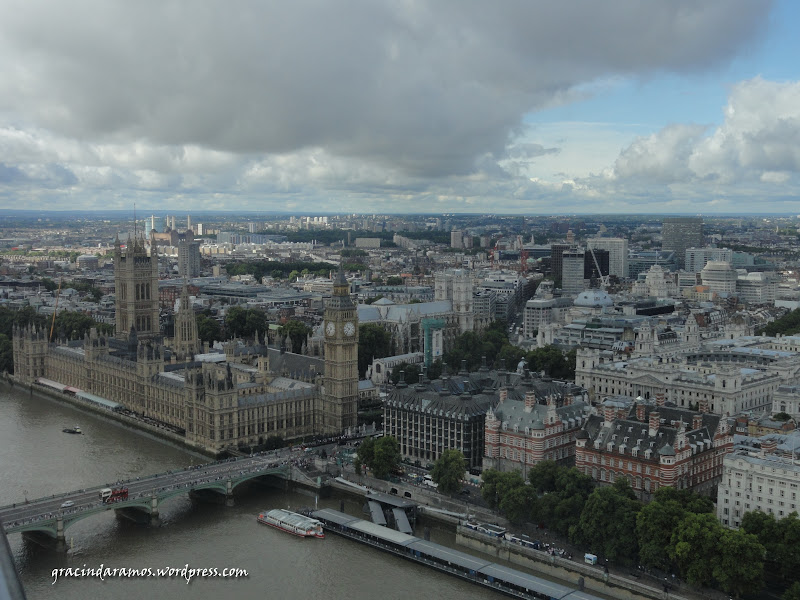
[428,88]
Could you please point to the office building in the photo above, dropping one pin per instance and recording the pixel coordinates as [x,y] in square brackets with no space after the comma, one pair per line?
[188,258]
[763,478]
[617,254]
[556,252]
[697,258]
[680,233]
[720,277]
[573,264]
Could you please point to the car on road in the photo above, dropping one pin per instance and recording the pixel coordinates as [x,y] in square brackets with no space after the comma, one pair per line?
[67,504]
[464,492]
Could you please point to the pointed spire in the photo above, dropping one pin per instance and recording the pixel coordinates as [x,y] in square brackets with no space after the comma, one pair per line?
[340,278]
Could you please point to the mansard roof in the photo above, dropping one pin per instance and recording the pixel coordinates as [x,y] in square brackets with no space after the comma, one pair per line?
[638,432]
[443,397]
[513,412]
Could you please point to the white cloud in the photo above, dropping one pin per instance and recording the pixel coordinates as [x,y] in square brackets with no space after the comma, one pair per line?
[417,104]
[757,141]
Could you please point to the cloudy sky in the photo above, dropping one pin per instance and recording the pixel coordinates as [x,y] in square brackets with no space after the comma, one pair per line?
[518,106]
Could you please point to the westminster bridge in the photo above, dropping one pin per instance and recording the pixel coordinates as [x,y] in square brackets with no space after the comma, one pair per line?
[51,516]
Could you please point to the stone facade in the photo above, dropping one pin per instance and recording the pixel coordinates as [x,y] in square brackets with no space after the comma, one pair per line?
[217,401]
[764,479]
[725,387]
[341,359]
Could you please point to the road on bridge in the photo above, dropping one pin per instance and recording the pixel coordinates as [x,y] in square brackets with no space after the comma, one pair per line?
[48,508]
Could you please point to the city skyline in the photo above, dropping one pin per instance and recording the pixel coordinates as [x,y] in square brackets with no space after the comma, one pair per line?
[622,107]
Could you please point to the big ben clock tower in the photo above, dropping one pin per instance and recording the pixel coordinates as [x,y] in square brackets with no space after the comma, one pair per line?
[340,404]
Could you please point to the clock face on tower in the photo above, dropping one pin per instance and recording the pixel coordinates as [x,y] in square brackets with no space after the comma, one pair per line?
[330,328]
[349,328]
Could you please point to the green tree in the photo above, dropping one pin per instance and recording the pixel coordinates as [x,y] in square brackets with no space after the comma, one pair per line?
[511,355]
[497,484]
[769,533]
[655,525]
[553,362]
[543,476]
[435,370]
[788,324]
[208,329]
[394,281]
[693,542]
[572,490]
[793,593]
[297,332]
[244,322]
[373,342]
[74,325]
[789,557]
[386,456]
[366,452]
[448,471]
[608,523]
[739,562]
[517,504]
[235,321]
[410,373]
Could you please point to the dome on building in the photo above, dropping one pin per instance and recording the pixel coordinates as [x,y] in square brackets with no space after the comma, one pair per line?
[593,299]
[667,451]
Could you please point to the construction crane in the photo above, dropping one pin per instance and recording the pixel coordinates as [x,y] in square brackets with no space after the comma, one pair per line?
[604,279]
[523,256]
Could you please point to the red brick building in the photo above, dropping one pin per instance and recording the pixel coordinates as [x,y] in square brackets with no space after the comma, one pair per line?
[523,430]
[654,446]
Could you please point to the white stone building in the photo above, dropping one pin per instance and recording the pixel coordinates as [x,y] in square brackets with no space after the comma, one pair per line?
[765,480]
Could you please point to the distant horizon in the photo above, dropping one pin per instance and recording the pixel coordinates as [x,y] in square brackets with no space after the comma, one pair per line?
[178,213]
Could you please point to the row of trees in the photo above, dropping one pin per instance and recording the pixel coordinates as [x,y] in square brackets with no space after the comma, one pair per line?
[68,324]
[278,270]
[93,293]
[780,538]
[494,345]
[788,324]
[375,342]
[677,531]
[245,322]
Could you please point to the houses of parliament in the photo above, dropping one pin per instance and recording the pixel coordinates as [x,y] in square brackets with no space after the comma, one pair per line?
[220,401]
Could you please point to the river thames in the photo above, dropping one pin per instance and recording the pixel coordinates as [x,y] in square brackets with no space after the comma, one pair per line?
[38,459]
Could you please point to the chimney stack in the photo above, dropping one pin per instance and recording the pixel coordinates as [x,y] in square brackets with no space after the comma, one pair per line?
[654,423]
[768,445]
[503,395]
[640,412]
[530,400]
[608,414]
[697,422]
[660,399]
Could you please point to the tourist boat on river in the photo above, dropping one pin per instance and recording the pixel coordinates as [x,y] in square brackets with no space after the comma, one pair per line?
[75,429]
[291,522]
